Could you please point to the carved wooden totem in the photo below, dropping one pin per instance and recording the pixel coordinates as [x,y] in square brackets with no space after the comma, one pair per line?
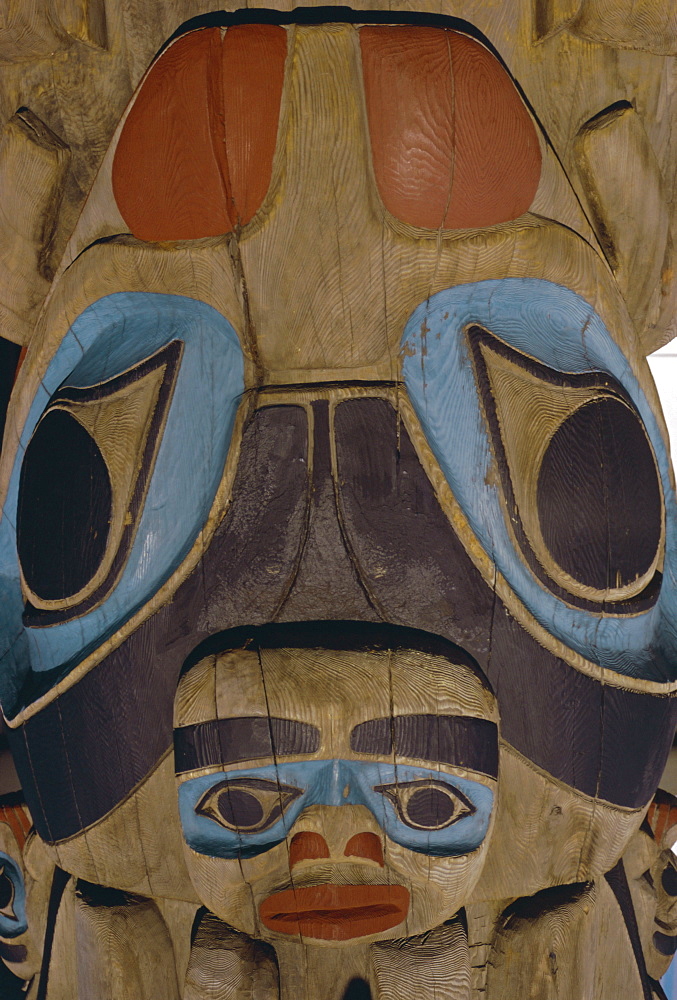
[338,557]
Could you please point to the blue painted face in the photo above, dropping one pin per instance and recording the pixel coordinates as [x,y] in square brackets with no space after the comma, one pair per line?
[13,919]
[112,336]
[243,813]
[555,327]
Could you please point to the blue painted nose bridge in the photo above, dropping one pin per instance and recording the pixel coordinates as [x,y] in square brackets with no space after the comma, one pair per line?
[338,783]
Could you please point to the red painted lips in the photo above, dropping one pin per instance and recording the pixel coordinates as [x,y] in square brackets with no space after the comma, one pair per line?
[335,912]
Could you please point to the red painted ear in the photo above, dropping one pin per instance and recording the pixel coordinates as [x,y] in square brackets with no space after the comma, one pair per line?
[194,157]
[452,143]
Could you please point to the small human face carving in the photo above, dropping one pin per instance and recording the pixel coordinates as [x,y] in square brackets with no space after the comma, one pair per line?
[335,794]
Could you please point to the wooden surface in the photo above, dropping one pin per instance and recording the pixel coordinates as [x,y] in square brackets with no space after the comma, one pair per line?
[344,614]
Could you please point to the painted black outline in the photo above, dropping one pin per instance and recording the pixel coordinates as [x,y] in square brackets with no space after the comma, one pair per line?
[285,795]
[170,356]
[477,335]
[335,634]
[390,791]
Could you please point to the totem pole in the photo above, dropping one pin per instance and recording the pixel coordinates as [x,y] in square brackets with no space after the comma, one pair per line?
[338,555]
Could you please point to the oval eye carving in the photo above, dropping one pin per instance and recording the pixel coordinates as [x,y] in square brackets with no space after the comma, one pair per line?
[65,512]
[83,483]
[247,805]
[6,895]
[580,481]
[427,804]
[601,460]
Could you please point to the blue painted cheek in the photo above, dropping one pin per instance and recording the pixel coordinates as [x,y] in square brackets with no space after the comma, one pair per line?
[111,336]
[337,783]
[13,920]
[558,328]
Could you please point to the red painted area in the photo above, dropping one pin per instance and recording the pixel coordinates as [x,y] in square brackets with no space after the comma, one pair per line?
[453,145]
[662,814]
[307,846]
[365,845]
[22,357]
[253,58]
[18,821]
[335,912]
[194,157]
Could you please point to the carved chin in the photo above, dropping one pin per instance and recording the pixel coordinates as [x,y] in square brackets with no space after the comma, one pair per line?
[335,912]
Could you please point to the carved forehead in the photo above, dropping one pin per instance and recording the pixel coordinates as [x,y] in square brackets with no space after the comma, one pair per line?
[322,686]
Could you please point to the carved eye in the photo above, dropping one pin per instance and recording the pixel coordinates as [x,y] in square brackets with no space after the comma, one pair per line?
[427,804]
[580,479]
[247,805]
[83,482]
[6,895]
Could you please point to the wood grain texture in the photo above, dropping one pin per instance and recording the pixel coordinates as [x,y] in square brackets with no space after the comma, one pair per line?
[437,965]
[195,152]
[333,690]
[168,174]
[138,847]
[27,31]
[253,62]
[551,16]
[624,188]
[568,941]
[126,264]
[84,20]
[548,834]
[652,884]
[452,144]
[319,288]
[33,163]
[84,100]
[650,26]
[227,965]
[124,949]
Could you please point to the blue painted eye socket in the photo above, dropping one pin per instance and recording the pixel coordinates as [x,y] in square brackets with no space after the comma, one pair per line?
[447,368]
[179,365]
[240,814]
[13,919]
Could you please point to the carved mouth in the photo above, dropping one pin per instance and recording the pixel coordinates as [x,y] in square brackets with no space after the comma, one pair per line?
[335,912]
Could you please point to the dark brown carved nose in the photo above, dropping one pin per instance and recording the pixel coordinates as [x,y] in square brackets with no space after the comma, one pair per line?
[307,846]
[365,845]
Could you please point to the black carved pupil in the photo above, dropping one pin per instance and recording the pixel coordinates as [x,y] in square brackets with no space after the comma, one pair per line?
[669,880]
[65,502]
[430,807]
[240,808]
[6,891]
[599,501]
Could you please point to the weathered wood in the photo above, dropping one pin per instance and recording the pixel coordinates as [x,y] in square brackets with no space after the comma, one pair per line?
[335,459]
[614,157]
[33,165]
[650,26]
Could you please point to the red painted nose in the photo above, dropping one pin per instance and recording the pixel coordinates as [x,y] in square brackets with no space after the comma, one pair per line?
[307,846]
[365,845]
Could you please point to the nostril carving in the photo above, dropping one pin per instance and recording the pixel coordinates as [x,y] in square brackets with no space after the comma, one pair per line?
[305,846]
[365,845]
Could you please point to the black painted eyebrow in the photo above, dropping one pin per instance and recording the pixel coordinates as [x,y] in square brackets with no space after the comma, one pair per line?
[440,739]
[230,741]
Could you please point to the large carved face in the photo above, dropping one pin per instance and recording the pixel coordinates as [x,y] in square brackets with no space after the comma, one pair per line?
[335,794]
[333,339]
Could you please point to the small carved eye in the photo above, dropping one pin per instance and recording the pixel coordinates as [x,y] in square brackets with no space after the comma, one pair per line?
[6,895]
[427,804]
[248,805]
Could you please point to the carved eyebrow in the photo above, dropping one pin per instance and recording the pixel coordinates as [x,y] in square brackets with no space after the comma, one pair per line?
[230,741]
[441,739]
